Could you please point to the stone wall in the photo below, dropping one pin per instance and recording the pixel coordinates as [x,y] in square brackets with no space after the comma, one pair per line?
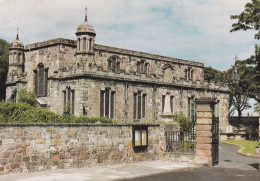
[32,147]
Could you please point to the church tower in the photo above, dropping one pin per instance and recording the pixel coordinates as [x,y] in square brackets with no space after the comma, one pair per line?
[85,38]
[16,60]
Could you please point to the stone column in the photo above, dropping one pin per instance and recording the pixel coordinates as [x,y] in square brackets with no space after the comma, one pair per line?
[203,131]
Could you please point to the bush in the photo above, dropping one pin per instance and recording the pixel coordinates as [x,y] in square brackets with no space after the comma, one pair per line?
[185,122]
[24,113]
[28,97]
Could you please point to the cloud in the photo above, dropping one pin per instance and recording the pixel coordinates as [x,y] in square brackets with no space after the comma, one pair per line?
[194,30]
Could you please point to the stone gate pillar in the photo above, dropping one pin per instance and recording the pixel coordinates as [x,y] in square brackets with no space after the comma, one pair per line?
[258,147]
[203,130]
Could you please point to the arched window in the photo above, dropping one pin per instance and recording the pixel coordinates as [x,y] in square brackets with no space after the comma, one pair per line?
[41,81]
[114,63]
[84,44]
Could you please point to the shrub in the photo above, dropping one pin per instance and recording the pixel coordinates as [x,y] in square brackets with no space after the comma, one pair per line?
[28,97]
[24,113]
[185,122]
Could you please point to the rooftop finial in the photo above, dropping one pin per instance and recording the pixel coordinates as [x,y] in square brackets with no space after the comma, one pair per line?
[86,15]
[17,36]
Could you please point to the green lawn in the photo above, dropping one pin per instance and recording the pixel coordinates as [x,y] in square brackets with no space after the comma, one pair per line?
[248,147]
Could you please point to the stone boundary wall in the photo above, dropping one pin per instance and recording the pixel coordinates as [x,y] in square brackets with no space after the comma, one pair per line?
[36,147]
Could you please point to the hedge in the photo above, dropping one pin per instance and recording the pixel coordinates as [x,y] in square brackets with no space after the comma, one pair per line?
[12,112]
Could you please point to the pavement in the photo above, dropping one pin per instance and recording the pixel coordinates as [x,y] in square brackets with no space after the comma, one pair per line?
[109,172]
[228,158]
[232,166]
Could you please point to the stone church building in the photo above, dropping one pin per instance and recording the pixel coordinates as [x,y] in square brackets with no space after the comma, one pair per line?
[84,78]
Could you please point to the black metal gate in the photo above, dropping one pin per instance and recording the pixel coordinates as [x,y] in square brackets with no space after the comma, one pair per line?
[183,141]
[215,140]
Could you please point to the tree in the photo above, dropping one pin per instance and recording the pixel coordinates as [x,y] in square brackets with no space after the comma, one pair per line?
[253,64]
[239,92]
[211,74]
[4,53]
[248,19]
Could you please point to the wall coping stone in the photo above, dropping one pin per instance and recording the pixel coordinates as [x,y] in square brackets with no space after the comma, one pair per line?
[73,124]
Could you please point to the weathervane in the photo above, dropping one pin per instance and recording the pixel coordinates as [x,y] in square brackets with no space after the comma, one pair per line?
[86,14]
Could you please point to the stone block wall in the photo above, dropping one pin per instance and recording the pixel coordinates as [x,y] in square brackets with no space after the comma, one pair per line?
[27,148]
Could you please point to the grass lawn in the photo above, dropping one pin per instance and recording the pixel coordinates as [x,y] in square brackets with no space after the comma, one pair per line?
[248,147]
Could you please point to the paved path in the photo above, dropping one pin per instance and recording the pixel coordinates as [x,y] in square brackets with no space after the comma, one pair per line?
[110,172]
[228,158]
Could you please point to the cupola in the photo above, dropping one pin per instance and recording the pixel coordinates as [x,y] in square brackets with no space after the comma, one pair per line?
[85,37]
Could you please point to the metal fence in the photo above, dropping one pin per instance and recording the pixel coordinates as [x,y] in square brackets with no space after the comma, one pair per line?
[181,141]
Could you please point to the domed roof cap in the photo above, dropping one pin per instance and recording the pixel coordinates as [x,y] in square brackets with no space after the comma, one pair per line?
[85,27]
[17,43]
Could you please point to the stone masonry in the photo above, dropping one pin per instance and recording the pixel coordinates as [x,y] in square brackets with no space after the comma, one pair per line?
[36,147]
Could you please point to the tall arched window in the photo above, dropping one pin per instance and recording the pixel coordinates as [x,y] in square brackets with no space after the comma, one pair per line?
[41,81]
[107,103]
[68,100]
[139,105]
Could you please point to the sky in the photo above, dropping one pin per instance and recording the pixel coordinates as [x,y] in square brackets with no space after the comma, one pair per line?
[196,30]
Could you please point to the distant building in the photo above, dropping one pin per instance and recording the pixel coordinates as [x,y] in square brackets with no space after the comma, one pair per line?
[84,78]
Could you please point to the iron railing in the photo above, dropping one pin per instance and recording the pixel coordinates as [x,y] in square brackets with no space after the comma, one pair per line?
[180,141]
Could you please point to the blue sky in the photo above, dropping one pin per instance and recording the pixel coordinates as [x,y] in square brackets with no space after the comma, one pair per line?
[196,30]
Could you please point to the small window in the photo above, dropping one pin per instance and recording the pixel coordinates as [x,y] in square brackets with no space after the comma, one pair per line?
[118,67]
[163,102]
[138,69]
[146,69]
[79,44]
[90,44]
[84,44]
[186,74]
[171,103]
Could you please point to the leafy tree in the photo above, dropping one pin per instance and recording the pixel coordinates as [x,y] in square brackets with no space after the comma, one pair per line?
[239,92]
[4,51]
[28,97]
[211,74]
[248,19]
[253,64]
